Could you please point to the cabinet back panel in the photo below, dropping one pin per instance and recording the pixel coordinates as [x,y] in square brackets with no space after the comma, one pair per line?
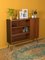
[14,23]
[18,38]
[17,30]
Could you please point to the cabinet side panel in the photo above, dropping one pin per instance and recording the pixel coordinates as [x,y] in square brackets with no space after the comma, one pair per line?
[8,31]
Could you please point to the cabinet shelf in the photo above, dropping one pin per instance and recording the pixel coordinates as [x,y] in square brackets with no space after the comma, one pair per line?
[21,42]
[20,27]
[23,33]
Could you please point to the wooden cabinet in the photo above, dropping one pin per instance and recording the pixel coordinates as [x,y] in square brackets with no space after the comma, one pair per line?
[19,31]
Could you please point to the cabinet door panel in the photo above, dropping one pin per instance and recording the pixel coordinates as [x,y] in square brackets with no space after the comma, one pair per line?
[32,28]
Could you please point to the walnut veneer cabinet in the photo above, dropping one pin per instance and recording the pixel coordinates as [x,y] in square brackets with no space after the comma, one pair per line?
[22,30]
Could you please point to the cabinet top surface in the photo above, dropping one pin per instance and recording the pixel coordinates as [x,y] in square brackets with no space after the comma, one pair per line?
[22,19]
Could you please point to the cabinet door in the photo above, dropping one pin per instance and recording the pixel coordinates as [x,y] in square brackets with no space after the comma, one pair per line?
[34,28]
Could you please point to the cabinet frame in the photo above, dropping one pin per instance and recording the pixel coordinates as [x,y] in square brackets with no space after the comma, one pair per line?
[13,36]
